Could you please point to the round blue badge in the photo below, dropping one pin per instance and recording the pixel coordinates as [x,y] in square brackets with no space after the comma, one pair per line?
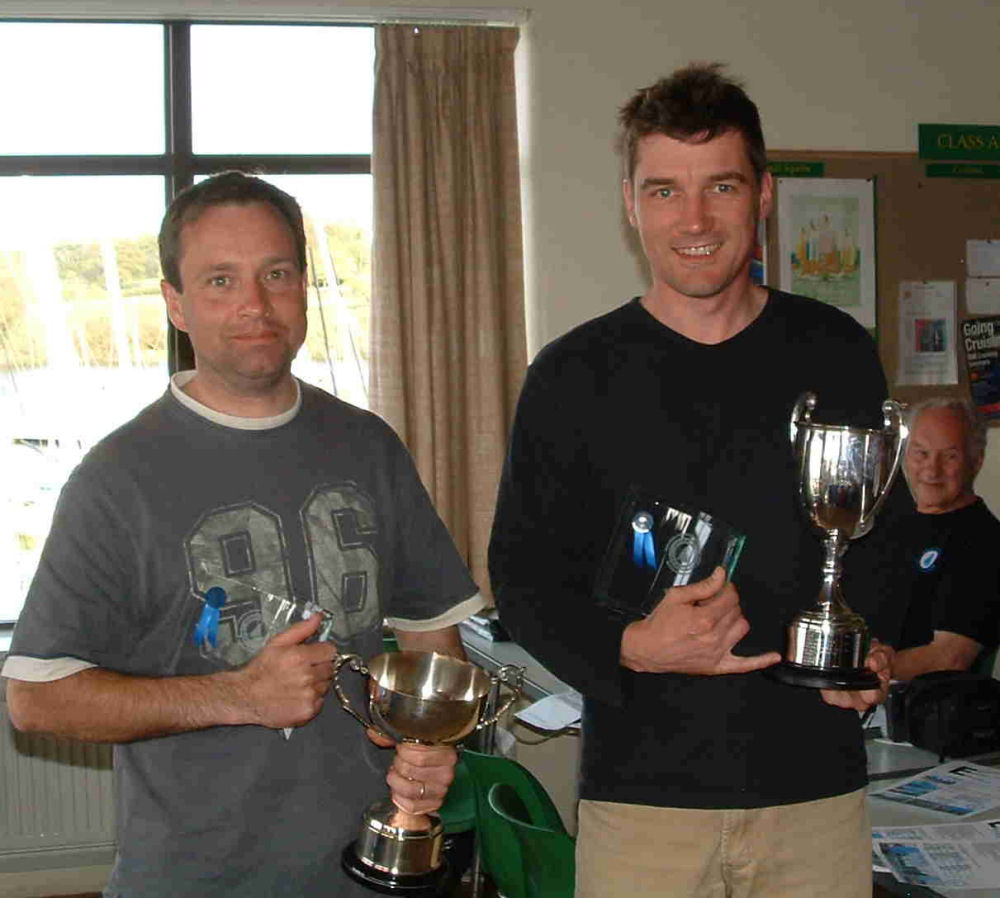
[929,560]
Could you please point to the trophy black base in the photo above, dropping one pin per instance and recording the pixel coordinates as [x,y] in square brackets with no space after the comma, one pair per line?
[416,885]
[823,678]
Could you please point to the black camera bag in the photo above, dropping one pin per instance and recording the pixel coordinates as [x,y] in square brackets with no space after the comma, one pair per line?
[954,713]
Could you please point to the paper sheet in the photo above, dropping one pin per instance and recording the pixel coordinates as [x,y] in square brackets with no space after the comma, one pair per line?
[982,258]
[949,856]
[927,333]
[982,296]
[957,789]
[554,712]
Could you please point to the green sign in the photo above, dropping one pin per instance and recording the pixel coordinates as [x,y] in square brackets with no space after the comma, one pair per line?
[970,142]
[796,169]
[961,170]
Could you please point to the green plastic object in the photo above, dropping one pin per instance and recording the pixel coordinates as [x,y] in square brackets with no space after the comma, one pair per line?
[548,855]
[499,849]
[458,813]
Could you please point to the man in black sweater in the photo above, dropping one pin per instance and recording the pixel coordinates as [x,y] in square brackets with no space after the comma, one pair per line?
[700,775]
[948,548]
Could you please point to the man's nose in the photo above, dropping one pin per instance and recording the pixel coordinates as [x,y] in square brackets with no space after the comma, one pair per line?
[694,213]
[255,300]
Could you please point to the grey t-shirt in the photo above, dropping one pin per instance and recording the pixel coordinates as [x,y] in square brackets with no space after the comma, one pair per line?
[324,507]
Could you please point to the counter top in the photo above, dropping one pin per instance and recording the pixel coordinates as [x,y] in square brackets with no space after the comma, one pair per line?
[895,760]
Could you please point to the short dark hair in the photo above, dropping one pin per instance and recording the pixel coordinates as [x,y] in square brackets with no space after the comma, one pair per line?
[694,103]
[220,190]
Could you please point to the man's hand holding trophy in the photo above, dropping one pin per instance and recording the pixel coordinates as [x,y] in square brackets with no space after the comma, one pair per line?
[843,477]
[421,698]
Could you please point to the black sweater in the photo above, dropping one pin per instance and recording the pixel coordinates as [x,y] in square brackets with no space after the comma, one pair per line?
[624,401]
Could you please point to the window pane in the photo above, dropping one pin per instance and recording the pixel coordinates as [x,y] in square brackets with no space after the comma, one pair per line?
[282,89]
[75,89]
[82,340]
[338,219]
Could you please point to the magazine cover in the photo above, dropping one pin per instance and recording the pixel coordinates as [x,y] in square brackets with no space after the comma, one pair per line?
[981,338]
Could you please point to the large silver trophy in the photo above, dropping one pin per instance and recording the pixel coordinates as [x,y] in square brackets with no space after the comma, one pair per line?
[844,475]
[419,697]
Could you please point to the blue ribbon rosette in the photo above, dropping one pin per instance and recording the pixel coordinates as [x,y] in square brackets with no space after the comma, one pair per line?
[643,549]
[207,628]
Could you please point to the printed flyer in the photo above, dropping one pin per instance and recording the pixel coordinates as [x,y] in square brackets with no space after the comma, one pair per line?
[952,855]
[981,339]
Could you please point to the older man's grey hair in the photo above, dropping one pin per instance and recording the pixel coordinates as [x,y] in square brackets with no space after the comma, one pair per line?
[975,424]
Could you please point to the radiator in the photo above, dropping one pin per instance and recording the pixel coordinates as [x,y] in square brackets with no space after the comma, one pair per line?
[56,801]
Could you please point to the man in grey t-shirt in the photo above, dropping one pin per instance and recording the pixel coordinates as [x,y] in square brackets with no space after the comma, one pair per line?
[240,478]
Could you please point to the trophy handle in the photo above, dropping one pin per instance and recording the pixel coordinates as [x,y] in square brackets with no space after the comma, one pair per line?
[894,430]
[510,675]
[357,664]
[801,413]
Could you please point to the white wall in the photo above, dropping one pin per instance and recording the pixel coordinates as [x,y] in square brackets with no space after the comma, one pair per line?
[849,75]
[852,75]
[855,75]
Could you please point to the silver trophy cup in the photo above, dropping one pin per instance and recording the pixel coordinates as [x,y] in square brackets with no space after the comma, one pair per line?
[844,475]
[419,697]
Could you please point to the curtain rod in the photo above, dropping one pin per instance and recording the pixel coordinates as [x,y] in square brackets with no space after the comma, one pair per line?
[299,13]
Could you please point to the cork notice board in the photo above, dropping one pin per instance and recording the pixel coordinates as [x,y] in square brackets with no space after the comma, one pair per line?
[921,226]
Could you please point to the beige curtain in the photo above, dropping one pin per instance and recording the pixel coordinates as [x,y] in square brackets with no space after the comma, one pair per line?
[448,345]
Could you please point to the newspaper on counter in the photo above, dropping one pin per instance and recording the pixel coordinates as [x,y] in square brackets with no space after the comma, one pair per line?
[959,788]
[949,856]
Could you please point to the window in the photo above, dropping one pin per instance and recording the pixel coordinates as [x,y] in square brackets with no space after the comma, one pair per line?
[133,113]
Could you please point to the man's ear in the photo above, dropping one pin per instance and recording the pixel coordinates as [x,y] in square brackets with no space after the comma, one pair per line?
[629,198]
[766,199]
[977,466]
[175,309]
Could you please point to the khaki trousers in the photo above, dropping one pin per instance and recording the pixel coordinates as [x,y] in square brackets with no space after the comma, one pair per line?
[814,849]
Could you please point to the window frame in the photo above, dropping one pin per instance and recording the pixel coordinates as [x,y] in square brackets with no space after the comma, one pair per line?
[178,164]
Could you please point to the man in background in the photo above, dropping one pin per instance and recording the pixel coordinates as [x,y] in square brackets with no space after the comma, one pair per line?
[701,776]
[949,549]
[184,536]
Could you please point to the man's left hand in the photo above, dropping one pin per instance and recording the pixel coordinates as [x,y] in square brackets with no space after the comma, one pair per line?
[879,661]
[420,774]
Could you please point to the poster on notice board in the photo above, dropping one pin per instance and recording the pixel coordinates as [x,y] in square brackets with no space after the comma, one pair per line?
[981,339]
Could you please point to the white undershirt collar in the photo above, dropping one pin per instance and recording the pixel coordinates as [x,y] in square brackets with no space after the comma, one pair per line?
[181,378]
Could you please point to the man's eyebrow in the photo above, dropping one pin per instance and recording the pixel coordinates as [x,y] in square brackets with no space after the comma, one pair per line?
[214,268]
[657,182]
[730,176]
[233,266]
[281,260]
[733,175]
